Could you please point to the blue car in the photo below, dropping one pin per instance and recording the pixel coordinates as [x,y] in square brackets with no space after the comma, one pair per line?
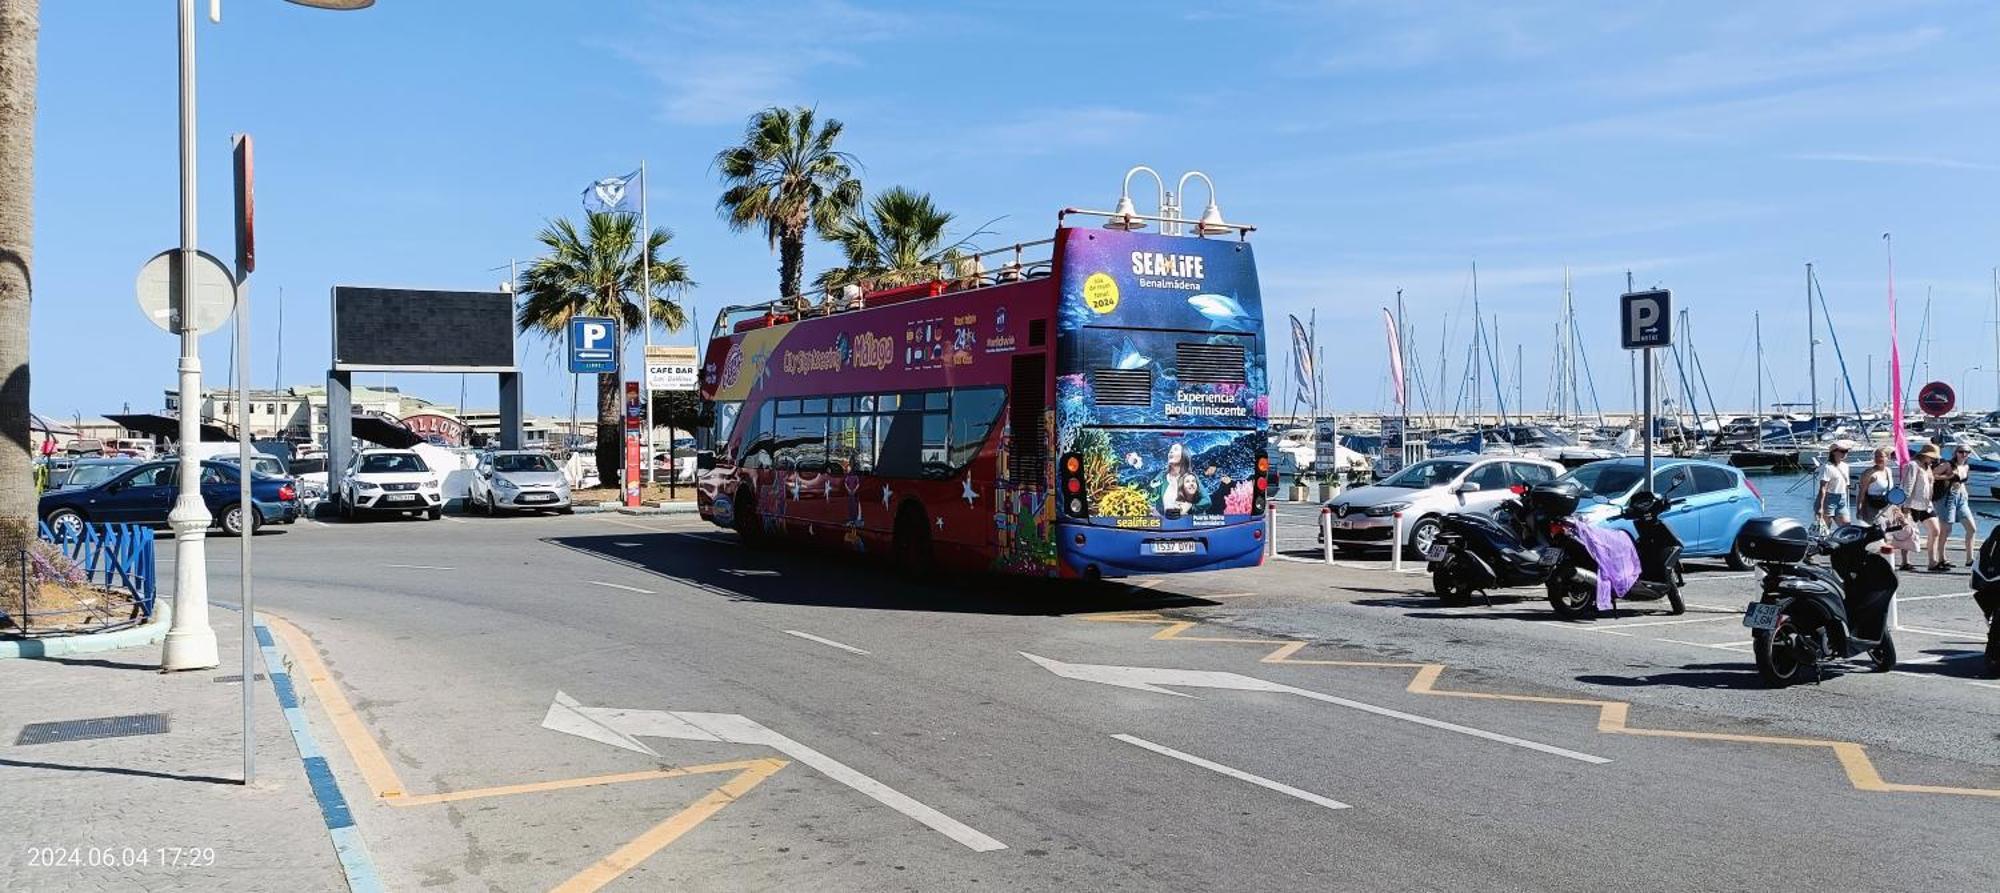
[1713,500]
[145,494]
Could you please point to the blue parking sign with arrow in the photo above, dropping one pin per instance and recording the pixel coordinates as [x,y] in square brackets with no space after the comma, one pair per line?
[593,345]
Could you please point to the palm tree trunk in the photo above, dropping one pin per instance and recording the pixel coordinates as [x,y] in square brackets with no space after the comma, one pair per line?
[791,261]
[19,27]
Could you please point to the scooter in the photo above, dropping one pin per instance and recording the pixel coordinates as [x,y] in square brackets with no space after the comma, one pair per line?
[1572,586]
[1810,614]
[1474,552]
[1986,591]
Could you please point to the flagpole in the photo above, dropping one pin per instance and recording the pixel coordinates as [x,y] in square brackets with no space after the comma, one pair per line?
[646,306]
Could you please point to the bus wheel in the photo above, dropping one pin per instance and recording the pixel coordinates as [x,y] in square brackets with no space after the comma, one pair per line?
[749,527]
[913,543]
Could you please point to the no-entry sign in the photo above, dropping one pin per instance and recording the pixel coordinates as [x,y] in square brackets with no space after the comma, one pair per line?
[1936,399]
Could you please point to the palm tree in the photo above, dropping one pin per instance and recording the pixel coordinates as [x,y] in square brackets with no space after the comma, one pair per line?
[894,241]
[786,177]
[597,273]
[19,26]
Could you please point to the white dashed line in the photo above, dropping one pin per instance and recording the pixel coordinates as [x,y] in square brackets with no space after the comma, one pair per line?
[812,638]
[1237,774]
[420,567]
[618,586]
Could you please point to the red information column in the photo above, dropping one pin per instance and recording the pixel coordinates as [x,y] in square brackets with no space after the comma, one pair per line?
[635,413]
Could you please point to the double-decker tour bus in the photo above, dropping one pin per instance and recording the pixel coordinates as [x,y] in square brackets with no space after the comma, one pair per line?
[1100,412]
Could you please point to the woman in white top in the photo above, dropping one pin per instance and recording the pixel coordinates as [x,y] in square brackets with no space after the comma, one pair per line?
[1917,483]
[1830,503]
[1875,485]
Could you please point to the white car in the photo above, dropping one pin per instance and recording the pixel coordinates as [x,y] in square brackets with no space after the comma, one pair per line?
[518,480]
[1366,516]
[390,481]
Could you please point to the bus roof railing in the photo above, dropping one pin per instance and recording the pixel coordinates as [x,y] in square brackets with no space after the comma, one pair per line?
[953,274]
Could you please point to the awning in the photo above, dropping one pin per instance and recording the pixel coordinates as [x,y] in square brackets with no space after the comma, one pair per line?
[385,432]
[37,423]
[168,427]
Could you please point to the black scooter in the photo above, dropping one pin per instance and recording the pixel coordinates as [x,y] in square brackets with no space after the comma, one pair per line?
[1475,552]
[1572,585]
[1811,614]
[1986,591]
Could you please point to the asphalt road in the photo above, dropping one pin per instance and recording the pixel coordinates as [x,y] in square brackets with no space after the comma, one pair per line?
[1466,748]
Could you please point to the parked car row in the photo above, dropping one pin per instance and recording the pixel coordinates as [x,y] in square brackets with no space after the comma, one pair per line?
[1711,501]
[144,493]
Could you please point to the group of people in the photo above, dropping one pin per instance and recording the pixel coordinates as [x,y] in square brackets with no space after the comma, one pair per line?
[1936,499]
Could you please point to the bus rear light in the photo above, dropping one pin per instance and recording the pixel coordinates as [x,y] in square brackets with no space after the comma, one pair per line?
[1075,504]
[1263,464]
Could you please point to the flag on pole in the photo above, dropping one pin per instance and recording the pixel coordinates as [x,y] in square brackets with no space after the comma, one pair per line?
[1896,430]
[613,194]
[1302,360]
[1395,360]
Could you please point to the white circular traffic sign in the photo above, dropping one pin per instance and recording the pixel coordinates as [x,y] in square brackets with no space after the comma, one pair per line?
[214,292]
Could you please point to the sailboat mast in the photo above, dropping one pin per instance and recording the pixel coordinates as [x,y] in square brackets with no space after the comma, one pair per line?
[1996,337]
[1478,331]
[1403,374]
[1758,320]
[1812,350]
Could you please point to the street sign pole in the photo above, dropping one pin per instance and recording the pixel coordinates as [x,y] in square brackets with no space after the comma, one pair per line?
[1646,361]
[246,260]
[1646,322]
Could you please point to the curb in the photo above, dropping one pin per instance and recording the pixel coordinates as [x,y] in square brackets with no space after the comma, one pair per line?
[673,508]
[150,633]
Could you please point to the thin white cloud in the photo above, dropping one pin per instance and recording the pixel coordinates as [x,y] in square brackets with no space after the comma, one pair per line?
[1045,131]
[718,63]
[1896,160]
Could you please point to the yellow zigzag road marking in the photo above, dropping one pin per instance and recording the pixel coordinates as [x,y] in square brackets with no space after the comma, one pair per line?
[1611,715]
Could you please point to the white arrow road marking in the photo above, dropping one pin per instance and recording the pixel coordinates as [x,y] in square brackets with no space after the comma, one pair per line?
[620,728]
[812,638]
[1151,678]
[1257,780]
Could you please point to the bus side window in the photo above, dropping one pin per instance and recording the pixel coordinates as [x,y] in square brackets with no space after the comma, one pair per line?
[973,411]
[901,442]
[754,444]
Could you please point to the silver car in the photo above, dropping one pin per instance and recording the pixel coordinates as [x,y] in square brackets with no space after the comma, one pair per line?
[1367,516]
[518,480]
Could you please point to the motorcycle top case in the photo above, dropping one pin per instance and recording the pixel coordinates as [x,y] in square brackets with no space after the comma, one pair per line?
[1779,540]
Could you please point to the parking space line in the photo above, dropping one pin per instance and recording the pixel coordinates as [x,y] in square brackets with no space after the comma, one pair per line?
[452,519]
[1720,646]
[1730,616]
[1237,774]
[1612,716]
[420,567]
[1948,634]
[620,586]
[656,838]
[1925,598]
[812,638]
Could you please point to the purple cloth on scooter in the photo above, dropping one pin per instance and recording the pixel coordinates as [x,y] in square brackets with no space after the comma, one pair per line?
[1617,559]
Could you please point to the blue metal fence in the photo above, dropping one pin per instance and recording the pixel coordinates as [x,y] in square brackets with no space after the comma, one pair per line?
[116,556]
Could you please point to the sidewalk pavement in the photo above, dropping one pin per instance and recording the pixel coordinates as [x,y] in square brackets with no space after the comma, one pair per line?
[154,811]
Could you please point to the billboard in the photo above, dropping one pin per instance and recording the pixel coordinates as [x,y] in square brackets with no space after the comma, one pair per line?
[421,330]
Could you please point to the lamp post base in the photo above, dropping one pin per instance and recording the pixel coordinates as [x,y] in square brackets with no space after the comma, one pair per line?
[190,641]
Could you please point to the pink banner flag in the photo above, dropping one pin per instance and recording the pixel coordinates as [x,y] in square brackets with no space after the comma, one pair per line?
[1395,360]
[1902,437]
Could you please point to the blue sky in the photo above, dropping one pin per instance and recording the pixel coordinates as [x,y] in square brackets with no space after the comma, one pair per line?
[1713,148]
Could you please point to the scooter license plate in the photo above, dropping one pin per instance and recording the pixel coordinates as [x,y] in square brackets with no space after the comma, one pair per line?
[1436,553]
[1761,615]
[1550,554]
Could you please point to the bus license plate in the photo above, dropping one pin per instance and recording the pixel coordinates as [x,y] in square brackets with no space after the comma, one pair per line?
[1173,547]
[1761,615]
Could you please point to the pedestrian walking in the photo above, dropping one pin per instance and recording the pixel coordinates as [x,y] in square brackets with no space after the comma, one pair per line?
[1876,483]
[1830,503]
[1920,483]
[1956,509]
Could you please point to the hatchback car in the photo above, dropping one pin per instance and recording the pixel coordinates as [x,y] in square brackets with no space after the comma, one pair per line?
[145,494]
[518,480]
[398,481]
[1366,516]
[1713,500]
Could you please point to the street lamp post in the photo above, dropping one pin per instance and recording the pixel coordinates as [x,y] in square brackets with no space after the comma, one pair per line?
[190,641]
